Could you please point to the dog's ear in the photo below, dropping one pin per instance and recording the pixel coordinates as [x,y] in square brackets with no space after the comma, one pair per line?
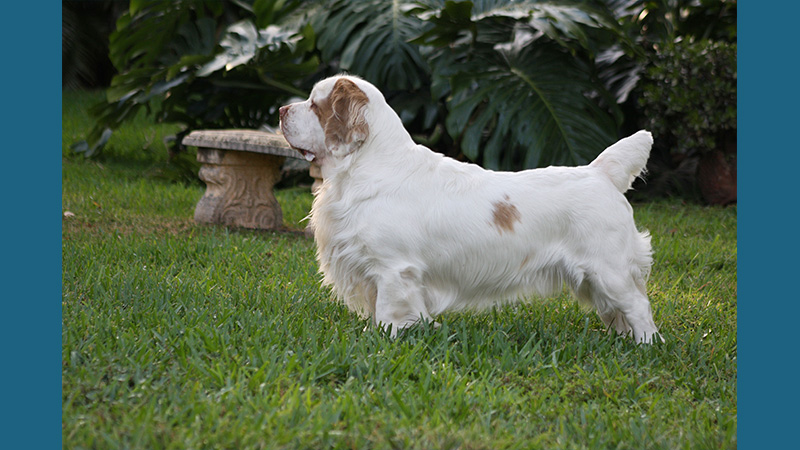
[346,127]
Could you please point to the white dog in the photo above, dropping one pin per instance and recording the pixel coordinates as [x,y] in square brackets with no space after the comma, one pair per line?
[404,233]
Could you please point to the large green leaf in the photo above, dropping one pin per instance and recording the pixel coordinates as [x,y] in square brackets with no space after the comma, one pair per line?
[527,108]
[520,81]
[570,24]
[243,42]
[371,39]
[159,33]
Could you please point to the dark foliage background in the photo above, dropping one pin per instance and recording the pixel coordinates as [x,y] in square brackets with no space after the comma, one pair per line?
[85,28]
[506,84]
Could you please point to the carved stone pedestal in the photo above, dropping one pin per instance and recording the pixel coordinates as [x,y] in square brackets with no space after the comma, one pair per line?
[239,189]
[240,168]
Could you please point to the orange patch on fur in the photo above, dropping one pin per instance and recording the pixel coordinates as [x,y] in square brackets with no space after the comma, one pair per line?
[340,114]
[505,215]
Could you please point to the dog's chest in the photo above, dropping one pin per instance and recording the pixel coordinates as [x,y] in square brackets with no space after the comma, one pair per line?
[336,223]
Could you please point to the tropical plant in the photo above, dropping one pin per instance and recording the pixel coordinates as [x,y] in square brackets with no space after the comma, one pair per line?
[522,82]
[170,51]
[534,63]
[688,100]
[507,84]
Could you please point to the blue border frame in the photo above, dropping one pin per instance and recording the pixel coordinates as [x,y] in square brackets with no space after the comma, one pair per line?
[768,150]
[31,225]
[768,161]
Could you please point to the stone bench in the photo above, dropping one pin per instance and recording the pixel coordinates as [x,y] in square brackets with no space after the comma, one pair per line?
[240,169]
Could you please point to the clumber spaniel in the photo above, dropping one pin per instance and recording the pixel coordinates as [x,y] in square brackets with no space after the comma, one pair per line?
[404,233]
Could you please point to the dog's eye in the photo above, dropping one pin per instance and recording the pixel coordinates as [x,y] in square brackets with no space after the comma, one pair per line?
[313,106]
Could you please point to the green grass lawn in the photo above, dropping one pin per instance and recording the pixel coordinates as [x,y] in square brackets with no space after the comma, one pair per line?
[179,335]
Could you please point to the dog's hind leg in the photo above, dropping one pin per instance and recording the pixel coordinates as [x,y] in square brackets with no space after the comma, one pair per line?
[400,302]
[612,318]
[615,322]
[623,306]
[639,315]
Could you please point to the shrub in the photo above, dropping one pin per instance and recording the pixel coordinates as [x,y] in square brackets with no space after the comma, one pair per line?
[689,94]
[688,100]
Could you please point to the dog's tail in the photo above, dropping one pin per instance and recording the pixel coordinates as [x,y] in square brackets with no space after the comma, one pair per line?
[626,159]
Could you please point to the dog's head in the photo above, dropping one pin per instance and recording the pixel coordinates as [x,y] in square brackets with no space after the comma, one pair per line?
[333,122]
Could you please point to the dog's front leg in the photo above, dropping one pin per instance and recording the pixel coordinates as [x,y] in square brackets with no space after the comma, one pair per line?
[400,301]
